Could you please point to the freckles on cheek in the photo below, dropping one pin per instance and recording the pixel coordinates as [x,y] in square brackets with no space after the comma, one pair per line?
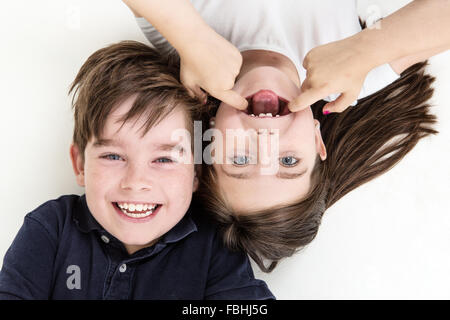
[98,175]
[181,181]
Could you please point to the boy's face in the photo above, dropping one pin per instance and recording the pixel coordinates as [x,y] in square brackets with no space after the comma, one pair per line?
[126,170]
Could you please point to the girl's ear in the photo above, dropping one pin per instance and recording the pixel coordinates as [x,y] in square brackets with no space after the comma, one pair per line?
[321,149]
[197,173]
[77,164]
[195,184]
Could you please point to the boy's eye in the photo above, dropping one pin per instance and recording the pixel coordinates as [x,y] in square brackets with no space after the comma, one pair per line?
[112,157]
[288,161]
[240,160]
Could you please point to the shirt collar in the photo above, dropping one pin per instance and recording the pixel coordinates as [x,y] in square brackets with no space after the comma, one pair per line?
[86,223]
[83,218]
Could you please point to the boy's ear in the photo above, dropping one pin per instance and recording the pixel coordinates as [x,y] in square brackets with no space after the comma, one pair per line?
[77,164]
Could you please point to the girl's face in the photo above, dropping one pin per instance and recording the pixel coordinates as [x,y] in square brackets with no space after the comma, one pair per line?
[287,144]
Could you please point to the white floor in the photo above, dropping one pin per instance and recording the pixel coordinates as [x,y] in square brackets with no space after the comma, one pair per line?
[388,239]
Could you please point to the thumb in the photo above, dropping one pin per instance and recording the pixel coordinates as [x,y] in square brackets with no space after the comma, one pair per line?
[305,99]
[340,104]
[233,99]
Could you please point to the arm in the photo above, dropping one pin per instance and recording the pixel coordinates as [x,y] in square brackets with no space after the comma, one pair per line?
[409,35]
[28,264]
[404,63]
[412,34]
[207,60]
[176,20]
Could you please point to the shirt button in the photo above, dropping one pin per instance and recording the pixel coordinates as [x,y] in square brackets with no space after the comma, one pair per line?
[105,239]
[123,268]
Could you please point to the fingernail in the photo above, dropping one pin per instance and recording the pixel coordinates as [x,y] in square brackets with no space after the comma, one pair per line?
[325,112]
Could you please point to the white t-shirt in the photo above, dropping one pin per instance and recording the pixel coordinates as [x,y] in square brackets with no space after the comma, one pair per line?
[288,27]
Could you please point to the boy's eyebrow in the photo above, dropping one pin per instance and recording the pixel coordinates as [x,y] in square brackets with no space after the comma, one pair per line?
[159,147]
[170,147]
[106,143]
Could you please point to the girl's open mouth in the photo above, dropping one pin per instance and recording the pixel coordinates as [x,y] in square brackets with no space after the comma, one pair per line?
[266,104]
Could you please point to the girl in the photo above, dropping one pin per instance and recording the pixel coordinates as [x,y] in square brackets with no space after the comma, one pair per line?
[295,55]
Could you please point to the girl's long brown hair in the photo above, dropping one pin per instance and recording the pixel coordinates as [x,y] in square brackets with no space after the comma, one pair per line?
[362,143]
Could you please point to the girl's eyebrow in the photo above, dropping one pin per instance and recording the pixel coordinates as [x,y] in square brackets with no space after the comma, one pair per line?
[280,175]
[293,175]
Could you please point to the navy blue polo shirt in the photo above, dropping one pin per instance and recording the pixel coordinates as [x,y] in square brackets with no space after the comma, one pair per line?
[61,252]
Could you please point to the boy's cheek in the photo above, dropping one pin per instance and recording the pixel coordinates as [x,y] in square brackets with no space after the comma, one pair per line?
[181,183]
[95,175]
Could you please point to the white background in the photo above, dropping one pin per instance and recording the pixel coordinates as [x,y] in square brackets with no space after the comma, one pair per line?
[389,239]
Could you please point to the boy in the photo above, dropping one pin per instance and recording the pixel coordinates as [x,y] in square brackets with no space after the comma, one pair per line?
[133,235]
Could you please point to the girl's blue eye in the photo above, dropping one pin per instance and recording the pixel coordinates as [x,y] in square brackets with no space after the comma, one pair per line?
[240,160]
[288,161]
[164,160]
[112,157]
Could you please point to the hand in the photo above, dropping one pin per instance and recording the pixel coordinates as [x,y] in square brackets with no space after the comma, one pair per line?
[211,63]
[336,67]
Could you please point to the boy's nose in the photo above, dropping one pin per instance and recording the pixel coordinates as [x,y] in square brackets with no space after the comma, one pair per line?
[136,178]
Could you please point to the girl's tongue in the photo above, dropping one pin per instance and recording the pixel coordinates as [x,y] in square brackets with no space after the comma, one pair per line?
[265,101]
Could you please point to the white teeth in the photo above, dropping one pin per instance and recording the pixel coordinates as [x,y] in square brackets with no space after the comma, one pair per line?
[129,208]
[277,116]
[137,215]
[262,115]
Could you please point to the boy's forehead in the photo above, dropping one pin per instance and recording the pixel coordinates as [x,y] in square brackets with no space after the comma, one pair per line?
[177,118]
[170,131]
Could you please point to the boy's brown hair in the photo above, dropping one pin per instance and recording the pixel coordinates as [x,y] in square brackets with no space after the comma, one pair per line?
[115,73]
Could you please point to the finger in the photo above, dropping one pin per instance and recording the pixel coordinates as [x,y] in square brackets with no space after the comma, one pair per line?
[340,104]
[233,99]
[306,99]
[200,94]
[190,92]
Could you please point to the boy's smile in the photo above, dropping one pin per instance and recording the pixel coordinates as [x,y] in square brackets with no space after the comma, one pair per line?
[137,212]
[137,186]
